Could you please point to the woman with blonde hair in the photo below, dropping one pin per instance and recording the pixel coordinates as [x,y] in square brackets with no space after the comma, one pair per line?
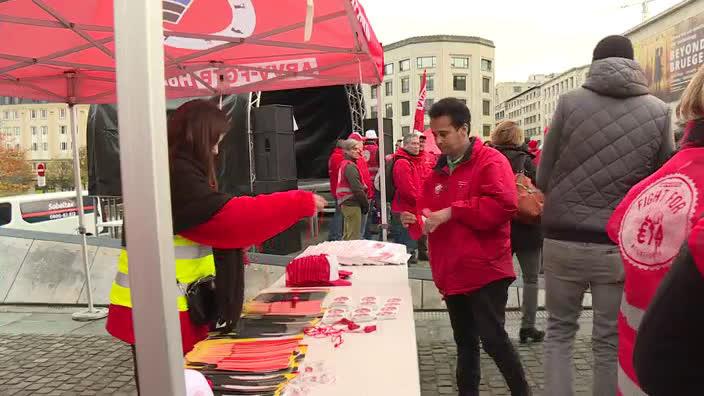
[526,239]
[650,226]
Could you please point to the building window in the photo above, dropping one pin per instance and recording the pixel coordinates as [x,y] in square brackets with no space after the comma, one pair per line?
[486,107]
[388,69]
[45,130]
[33,114]
[43,114]
[429,82]
[46,146]
[64,146]
[17,131]
[374,112]
[428,104]
[389,88]
[486,65]
[460,62]
[6,115]
[389,110]
[63,129]
[34,146]
[405,130]
[405,108]
[486,129]
[517,89]
[374,88]
[459,83]
[15,115]
[486,85]
[62,113]
[405,84]
[17,146]
[404,65]
[425,62]
[34,131]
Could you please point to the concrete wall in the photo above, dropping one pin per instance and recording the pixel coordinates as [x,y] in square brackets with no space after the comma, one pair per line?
[43,268]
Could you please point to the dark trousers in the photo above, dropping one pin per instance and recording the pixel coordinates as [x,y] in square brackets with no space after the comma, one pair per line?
[480,315]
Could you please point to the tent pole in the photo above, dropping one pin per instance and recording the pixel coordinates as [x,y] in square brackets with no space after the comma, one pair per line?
[91,313]
[144,157]
[382,167]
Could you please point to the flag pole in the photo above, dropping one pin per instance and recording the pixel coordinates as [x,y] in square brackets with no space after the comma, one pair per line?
[382,173]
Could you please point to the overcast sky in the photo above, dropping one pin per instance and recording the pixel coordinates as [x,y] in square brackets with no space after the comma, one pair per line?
[534,36]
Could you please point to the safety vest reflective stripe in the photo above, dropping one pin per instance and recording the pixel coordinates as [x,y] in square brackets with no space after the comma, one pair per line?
[193,262]
[627,386]
[633,315]
[122,279]
[191,252]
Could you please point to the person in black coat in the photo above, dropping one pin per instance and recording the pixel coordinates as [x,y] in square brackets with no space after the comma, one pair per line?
[526,239]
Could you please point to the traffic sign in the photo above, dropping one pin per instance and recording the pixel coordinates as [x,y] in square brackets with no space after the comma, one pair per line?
[41,169]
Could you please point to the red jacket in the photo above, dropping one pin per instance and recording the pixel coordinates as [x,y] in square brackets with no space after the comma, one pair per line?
[473,249]
[336,158]
[427,163]
[366,177]
[407,181]
[230,228]
[650,225]
[371,155]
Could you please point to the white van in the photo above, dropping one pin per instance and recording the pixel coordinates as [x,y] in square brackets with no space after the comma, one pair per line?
[52,212]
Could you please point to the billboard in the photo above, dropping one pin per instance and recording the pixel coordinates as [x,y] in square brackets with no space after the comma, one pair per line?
[671,57]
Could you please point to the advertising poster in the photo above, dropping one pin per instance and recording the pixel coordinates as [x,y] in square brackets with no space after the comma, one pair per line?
[671,57]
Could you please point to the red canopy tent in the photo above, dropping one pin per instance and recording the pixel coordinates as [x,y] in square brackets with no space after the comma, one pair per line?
[68,51]
[210,47]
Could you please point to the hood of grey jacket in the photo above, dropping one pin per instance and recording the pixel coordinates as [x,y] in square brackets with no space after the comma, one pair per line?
[617,78]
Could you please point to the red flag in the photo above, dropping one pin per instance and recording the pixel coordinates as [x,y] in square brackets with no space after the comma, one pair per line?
[419,125]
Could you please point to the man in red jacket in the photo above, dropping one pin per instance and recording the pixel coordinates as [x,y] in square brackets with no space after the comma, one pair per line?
[406,173]
[467,204]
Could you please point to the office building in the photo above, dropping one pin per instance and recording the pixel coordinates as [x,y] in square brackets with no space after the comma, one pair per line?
[457,66]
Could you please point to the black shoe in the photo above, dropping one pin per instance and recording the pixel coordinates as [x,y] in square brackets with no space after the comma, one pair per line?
[534,334]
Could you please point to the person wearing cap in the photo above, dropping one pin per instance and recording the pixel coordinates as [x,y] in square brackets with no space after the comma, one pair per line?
[406,173]
[366,179]
[351,192]
[371,155]
[605,137]
[371,152]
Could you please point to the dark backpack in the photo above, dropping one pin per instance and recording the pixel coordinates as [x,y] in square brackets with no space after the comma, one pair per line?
[389,179]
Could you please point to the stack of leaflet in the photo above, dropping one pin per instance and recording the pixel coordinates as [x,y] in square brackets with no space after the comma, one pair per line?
[263,353]
[361,252]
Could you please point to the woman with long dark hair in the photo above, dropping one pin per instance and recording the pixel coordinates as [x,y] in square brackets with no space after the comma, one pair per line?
[650,225]
[211,228]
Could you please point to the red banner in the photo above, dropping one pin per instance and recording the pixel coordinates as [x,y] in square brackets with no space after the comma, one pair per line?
[419,125]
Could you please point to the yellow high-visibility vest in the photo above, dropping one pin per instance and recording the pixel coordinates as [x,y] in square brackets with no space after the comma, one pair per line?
[193,262]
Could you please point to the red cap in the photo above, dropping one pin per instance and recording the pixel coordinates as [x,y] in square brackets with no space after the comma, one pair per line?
[356,136]
[533,144]
[321,270]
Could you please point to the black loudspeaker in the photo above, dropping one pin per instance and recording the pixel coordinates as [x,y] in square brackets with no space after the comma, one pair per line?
[289,241]
[274,143]
[373,123]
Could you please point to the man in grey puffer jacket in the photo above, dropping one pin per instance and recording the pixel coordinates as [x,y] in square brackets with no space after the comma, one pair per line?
[604,138]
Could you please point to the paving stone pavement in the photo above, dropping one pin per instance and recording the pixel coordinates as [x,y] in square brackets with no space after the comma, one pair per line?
[437,356]
[60,359]
[39,364]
